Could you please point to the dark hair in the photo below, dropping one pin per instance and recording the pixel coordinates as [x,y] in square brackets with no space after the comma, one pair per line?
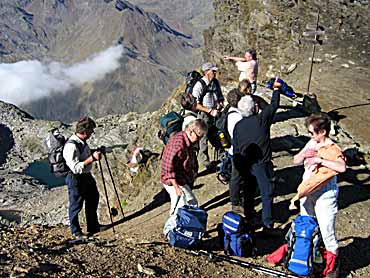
[233,97]
[253,53]
[319,121]
[85,124]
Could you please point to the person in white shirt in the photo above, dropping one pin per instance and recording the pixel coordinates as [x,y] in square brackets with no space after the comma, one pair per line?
[233,117]
[81,184]
[248,67]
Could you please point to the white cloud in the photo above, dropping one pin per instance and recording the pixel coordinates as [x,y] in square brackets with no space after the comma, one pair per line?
[24,81]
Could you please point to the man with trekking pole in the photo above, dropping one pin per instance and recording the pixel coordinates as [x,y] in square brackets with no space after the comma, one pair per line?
[81,184]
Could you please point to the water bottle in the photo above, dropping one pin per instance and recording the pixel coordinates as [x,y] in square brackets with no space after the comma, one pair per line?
[318,257]
[223,141]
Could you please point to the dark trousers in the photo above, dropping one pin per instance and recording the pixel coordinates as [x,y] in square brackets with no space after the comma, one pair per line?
[264,173]
[82,188]
[242,181]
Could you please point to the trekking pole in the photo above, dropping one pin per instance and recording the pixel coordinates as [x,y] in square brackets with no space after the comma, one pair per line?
[106,194]
[114,185]
[254,267]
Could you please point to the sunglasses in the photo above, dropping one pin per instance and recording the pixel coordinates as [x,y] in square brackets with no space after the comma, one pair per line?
[197,135]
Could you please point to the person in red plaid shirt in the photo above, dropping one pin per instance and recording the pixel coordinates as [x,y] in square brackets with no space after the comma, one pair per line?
[179,166]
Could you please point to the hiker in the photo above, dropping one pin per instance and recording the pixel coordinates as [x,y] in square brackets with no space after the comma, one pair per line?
[252,154]
[247,66]
[208,106]
[81,184]
[179,165]
[245,88]
[234,116]
[321,202]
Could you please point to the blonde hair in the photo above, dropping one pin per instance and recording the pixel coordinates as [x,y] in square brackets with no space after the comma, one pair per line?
[245,87]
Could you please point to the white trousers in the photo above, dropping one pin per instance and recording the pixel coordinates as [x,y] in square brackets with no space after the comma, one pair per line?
[187,198]
[324,206]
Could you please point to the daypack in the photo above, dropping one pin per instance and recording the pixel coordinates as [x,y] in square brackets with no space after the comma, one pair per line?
[223,133]
[188,101]
[170,124]
[285,88]
[237,235]
[304,247]
[225,168]
[55,142]
[191,224]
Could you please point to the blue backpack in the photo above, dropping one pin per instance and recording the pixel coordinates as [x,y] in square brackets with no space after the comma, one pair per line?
[304,243]
[237,235]
[191,224]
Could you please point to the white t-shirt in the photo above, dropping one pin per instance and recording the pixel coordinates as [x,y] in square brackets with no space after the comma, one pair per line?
[232,120]
[248,70]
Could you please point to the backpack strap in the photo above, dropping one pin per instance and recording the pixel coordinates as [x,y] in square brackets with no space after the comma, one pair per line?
[204,90]
[227,115]
[79,145]
[227,245]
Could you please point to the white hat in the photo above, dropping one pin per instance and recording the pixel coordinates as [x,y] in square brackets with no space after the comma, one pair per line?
[209,66]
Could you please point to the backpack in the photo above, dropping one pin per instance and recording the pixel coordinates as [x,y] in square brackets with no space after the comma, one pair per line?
[285,88]
[225,168]
[188,101]
[237,232]
[304,247]
[170,124]
[55,142]
[190,226]
[223,133]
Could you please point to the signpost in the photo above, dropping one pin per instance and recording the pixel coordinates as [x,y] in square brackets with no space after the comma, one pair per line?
[310,104]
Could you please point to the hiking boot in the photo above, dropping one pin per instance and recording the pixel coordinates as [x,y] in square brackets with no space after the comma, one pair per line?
[79,235]
[100,228]
[238,210]
[332,265]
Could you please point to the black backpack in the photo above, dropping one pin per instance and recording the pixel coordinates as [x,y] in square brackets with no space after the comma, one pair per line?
[188,101]
[55,142]
[221,124]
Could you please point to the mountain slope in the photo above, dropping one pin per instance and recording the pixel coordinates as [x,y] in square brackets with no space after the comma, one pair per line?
[69,31]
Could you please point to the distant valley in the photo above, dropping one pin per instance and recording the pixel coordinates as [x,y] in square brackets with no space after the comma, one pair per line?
[154,59]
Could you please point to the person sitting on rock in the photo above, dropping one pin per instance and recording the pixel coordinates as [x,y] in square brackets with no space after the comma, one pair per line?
[318,192]
[247,66]
[81,184]
[179,166]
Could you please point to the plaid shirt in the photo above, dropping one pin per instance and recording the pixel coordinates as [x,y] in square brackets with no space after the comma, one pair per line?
[179,161]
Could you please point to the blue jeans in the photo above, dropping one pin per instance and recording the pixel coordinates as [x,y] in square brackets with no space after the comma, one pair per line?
[263,173]
[82,189]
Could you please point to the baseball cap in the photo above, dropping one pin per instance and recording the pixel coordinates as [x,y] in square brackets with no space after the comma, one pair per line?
[209,66]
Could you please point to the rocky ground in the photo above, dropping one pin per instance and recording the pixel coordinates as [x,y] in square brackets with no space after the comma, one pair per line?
[41,246]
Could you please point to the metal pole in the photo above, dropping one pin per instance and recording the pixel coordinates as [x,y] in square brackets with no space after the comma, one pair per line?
[106,194]
[313,54]
[254,267]
[114,185]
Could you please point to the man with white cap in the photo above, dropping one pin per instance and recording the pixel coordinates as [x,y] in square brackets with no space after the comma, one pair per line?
[210,100]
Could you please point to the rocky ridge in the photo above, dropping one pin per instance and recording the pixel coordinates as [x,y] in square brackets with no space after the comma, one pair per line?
[137,246]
